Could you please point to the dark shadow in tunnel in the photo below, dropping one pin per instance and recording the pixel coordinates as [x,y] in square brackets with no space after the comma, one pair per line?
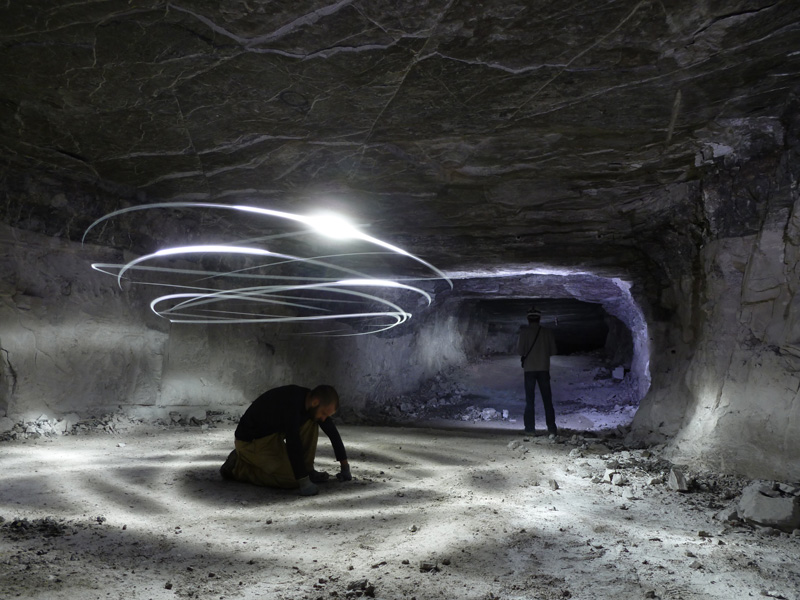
[579,327]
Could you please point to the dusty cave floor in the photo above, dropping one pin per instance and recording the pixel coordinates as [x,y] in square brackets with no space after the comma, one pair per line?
[430,514]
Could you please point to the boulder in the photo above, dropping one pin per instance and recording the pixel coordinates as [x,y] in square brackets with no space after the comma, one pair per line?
[760,505]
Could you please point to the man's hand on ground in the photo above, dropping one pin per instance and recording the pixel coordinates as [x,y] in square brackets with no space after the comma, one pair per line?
[344,474]
[319,476]
[307,488]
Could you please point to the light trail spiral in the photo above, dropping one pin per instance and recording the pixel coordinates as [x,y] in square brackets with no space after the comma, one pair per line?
[369,288]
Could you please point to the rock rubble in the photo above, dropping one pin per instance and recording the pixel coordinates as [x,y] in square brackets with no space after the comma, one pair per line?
[768,506]
[73,424]
[771,504]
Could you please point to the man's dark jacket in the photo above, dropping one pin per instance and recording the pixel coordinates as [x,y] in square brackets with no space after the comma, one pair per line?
[282,410]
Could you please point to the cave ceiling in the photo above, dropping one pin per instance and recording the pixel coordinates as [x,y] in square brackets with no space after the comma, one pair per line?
[472,133]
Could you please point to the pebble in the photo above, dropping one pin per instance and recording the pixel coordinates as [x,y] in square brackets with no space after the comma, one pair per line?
[358,584]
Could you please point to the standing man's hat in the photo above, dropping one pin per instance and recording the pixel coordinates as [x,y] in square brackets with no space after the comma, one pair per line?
[534,312]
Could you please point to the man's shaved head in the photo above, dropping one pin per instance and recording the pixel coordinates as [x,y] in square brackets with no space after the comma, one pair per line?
[327,395]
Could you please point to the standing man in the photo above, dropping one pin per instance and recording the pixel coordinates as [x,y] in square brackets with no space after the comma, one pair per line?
[535,346]
[276,439]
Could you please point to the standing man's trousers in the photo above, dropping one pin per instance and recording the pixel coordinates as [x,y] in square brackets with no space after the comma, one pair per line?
[529,417]
[264,461]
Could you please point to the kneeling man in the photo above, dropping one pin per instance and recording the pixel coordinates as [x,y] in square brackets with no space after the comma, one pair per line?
[276,439]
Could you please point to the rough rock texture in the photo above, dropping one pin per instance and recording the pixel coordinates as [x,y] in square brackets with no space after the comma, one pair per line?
[645,151]
[728,388]
[769,505]
[71,341]
[560,131]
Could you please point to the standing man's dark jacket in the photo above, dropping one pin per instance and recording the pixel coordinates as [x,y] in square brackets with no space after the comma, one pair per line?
[282,410]
[538,353]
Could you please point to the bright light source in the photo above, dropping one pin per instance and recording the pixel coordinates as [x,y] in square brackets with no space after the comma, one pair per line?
[334,226]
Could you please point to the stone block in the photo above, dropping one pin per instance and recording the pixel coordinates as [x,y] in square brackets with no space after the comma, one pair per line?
[677,480]
[757,505]
[728,514]
[198,414]
[489,414]
[6,424]
[70,421]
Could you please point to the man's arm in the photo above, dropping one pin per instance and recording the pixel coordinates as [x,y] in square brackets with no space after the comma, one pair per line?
[520,343]
[329,427]
[344,472]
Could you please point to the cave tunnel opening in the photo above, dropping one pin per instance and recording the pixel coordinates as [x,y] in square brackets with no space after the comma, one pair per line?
[598,376]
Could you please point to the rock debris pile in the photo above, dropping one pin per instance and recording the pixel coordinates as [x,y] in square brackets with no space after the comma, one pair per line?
[769,504]
[18,529]
[73,424]
[766,506]
[439,397]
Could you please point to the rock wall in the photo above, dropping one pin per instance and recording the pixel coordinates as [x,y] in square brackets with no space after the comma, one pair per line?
[619,343]
[370,369]
[219,367]
[743,410]
[726,367]
[721,340]
[70,339]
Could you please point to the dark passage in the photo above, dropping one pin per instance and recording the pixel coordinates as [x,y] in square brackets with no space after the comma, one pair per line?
[579,327]
[592,388]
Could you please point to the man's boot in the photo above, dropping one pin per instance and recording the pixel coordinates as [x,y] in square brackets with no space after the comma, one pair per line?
[226,470]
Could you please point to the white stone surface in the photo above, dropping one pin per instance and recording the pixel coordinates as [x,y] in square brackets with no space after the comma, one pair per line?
[72,341]
[730,401]
[758,506]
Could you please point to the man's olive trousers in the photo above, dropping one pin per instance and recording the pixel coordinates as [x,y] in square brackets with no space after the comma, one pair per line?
[264,461]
